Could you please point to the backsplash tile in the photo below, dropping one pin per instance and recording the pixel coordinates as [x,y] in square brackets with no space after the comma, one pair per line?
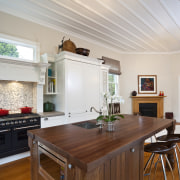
[14,95]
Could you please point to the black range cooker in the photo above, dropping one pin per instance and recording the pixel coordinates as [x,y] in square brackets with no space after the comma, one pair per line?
[13,132]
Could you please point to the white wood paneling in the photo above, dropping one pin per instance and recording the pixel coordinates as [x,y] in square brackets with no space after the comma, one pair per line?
[127,26]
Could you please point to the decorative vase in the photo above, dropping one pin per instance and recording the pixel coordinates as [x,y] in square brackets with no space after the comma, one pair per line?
[110,126]
[134,93]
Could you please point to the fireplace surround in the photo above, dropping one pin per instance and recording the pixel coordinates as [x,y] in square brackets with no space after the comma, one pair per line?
[159,100]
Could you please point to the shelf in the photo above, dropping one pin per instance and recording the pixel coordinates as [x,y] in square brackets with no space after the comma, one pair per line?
[148,96]
[52,77]
[55,93]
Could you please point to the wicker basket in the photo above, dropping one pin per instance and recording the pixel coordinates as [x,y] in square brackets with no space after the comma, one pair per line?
[69,46]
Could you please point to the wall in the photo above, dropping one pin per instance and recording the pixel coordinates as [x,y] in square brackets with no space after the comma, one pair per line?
[164,66]
[49,39]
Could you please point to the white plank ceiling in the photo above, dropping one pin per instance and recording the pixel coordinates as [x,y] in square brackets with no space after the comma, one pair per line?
[127,26]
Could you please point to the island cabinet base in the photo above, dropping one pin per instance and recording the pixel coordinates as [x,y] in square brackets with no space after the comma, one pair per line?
[127,165]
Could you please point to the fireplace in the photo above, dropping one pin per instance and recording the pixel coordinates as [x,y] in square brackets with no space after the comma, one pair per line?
[149,101]
[148,109]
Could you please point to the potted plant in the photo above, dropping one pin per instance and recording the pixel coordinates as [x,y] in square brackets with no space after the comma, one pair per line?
[109,117]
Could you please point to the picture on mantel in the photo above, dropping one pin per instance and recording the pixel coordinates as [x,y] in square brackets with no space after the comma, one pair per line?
[147,84]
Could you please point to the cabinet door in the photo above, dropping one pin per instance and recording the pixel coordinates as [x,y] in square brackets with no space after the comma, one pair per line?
[75,88]
[52,121]
[92,86]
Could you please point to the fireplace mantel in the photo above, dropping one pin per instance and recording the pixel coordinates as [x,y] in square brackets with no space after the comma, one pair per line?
[136,100]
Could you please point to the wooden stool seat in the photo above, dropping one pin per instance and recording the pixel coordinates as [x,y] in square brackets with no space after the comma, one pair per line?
[159,147]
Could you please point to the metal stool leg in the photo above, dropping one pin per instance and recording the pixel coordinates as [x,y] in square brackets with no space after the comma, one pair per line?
[169,166]
[178,147]
[163,167]
[145,167]
[177,161]
[151,166]
[155,166]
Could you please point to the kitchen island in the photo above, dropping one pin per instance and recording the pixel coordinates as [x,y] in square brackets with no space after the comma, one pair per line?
[94,154]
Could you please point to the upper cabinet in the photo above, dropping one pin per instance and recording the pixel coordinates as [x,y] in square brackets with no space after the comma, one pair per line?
[79,84]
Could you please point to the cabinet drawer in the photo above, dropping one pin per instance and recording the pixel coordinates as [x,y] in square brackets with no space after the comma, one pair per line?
[52,121]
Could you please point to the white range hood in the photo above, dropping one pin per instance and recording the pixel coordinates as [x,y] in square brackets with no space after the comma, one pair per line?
[14,70]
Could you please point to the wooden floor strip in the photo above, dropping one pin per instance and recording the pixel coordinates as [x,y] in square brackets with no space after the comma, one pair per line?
[20,170]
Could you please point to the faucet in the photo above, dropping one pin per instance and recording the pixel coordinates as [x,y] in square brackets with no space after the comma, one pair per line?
[100,112]
[99,123]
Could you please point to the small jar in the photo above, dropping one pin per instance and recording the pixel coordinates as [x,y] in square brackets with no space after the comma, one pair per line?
[160,93]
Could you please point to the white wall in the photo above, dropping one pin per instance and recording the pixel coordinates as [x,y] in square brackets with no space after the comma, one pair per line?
[166,67]
[49,39]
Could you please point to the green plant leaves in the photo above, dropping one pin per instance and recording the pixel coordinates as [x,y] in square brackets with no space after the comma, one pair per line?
[110,118]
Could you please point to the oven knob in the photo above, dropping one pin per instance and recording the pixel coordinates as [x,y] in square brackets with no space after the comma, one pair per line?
[7,123]
[35,120]
[2,124]
[16,122]
[12,123]
[20,121]
[31,120]
[24,121]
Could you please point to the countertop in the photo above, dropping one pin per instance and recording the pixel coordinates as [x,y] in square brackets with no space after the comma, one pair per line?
[88,148]
[51,114]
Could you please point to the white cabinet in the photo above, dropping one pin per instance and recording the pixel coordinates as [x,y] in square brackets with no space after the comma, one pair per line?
[79,86]
[52,121]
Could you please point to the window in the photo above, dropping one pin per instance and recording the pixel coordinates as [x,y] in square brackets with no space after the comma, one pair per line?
[18,49]
[113,84]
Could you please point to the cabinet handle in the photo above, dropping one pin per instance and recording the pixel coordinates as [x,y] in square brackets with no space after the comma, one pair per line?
[132,150]
[69,115]
[46,119]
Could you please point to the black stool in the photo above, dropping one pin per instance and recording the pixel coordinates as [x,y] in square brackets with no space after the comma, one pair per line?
[173,138]
[161,148]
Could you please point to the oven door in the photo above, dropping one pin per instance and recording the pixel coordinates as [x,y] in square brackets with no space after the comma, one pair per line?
[20,138]
[52,166]
[5,140]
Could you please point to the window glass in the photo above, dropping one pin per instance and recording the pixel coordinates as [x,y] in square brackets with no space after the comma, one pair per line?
[113,84]
[18,49]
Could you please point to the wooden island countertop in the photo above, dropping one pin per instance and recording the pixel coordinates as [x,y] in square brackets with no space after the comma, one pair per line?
[95,153]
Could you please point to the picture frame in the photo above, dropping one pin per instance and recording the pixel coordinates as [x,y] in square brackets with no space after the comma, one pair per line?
[147,84]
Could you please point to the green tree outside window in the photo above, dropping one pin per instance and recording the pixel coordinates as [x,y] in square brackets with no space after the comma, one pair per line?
[8,50]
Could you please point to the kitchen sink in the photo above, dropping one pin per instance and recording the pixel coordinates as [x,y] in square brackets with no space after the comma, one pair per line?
[86,125]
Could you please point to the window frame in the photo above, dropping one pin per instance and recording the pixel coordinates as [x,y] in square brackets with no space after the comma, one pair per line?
[116,84]
[21,42]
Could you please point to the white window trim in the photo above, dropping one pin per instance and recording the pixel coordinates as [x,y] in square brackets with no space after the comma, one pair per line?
[23,42]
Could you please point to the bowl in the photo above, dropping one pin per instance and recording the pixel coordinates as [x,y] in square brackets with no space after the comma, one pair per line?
[82,51]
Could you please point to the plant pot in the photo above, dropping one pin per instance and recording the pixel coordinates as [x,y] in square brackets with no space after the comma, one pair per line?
[110,126]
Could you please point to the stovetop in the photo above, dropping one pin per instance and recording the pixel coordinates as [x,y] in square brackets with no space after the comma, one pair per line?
[18,116]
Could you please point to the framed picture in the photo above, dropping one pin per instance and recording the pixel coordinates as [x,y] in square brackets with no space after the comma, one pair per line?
[147,84]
